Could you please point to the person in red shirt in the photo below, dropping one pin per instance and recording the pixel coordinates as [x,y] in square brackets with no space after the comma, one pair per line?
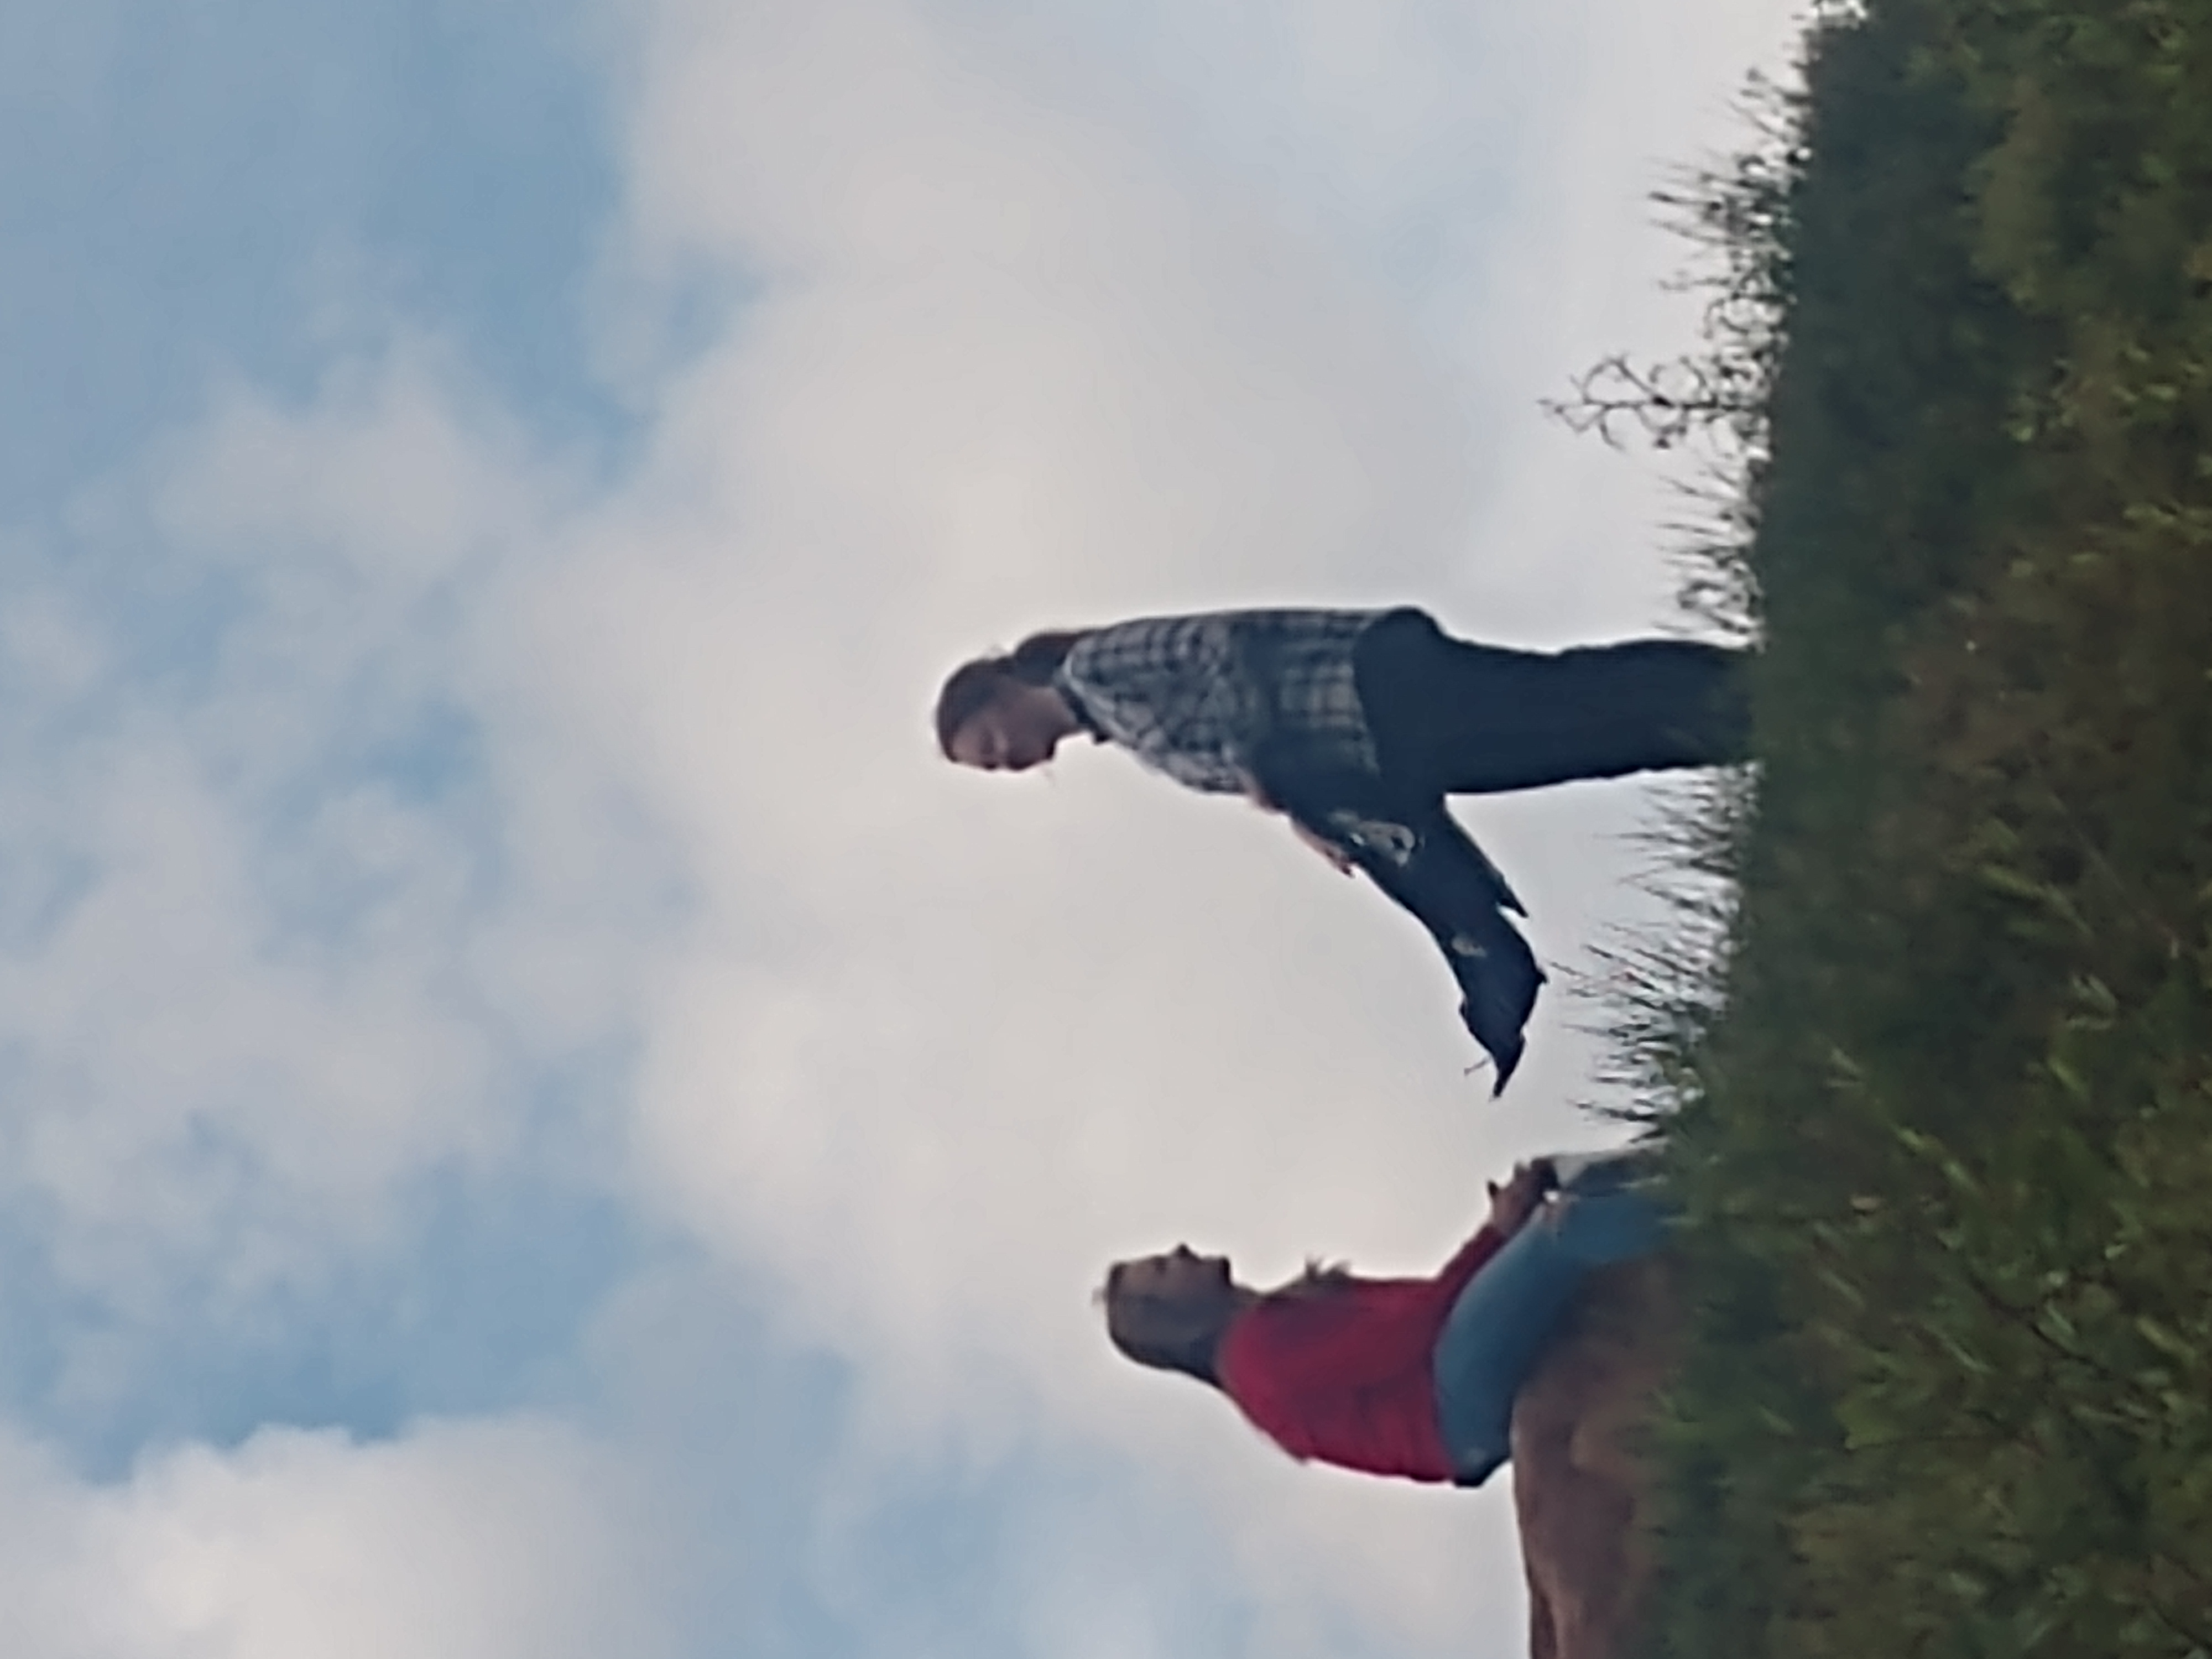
[1409,1377]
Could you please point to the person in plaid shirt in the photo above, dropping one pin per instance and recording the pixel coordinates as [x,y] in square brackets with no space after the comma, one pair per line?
[1357,724]
[1217,700]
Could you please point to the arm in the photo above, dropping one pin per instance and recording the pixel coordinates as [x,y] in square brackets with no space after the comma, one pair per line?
[1257,794]
[1510,1206]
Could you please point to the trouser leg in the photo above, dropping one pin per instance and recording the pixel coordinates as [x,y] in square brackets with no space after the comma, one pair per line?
[1500,1323]
[1449,717]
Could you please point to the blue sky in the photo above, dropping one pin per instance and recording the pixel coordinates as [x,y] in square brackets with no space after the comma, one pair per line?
[535,1115]
[197,192]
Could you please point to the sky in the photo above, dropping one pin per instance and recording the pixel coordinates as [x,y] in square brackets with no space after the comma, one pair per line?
[538,1117]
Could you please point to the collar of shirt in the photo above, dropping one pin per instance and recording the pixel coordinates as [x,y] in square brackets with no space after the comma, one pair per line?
[1084,717]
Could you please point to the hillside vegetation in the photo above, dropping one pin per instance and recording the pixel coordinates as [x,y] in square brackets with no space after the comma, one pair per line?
[1943,1118]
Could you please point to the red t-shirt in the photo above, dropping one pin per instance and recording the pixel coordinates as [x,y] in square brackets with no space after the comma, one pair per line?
[1342,1371]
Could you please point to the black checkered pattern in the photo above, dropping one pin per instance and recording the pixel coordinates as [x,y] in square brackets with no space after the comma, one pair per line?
[1191,696]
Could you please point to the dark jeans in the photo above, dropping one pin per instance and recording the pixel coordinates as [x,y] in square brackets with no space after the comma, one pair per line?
[1451,718]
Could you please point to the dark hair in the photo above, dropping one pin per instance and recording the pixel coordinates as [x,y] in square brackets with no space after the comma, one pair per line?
[970,689]
[1167,1333]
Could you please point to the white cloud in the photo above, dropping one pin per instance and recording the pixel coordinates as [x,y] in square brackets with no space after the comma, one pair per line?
[295,914]
[944,1044]
[1237,310]
[894,460]
[461,1541]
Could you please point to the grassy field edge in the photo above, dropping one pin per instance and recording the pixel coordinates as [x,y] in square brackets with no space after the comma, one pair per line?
[1941,1109]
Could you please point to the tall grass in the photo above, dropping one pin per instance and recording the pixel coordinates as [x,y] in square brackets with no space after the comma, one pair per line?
[1939,1077]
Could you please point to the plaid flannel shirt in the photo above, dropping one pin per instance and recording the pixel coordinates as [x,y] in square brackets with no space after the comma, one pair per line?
[1192,696]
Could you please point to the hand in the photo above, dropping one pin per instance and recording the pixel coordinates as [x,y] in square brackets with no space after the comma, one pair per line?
[1511,1205]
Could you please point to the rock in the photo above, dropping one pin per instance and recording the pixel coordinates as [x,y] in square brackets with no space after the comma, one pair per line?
[1581,1485]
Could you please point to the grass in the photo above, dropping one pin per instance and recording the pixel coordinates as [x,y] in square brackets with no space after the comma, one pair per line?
[1942,1110]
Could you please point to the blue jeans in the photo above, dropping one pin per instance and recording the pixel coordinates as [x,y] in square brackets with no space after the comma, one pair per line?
[1498,1327]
